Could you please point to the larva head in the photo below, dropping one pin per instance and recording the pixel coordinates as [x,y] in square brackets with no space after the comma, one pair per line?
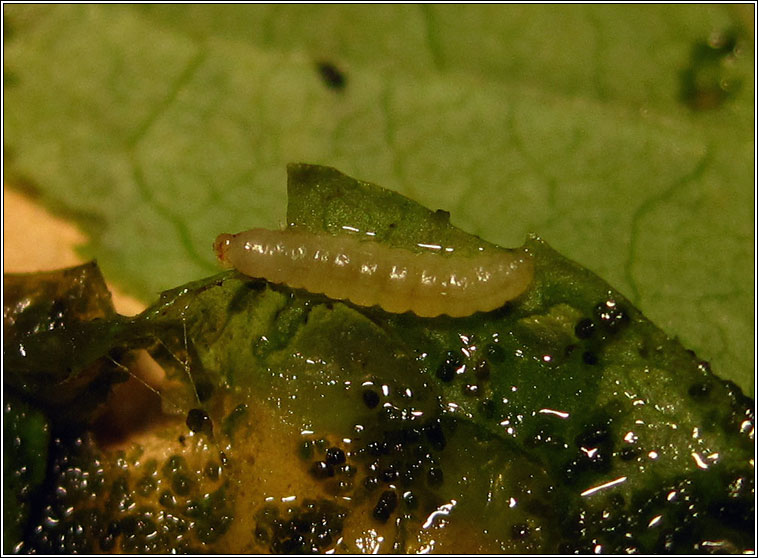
[221,245]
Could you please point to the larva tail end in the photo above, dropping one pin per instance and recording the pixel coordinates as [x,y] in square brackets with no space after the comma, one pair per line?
[221,245]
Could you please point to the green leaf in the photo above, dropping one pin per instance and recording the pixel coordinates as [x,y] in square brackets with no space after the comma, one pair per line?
[561,422]
[61,337]
[623,135]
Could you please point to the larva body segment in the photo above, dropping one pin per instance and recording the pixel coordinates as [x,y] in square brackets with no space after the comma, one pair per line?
[369,273]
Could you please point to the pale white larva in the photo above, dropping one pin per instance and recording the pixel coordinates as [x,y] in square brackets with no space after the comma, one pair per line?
[369,273]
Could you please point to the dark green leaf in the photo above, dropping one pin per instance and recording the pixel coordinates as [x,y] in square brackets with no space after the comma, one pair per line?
[563,422]
[61,338]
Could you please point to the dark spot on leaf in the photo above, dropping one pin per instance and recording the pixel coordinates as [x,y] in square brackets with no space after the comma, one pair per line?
[332,76]
[335,456]
[410,473]
[377,448]
[234,419]
[711,76]
[584,328]
[487,408]
[107,542]
[593,436]
[595,445]
[482,370]
[322,470]
[700,390]
[199,421]
[204,390]
[435,476]
[370,398]
[213,470]
[611,316]
[495,353]
[174,464]
[449,367]
[442,216]
[628,453]
[411,435]
[390,474]
[181,485]
[385,506]
[261,534]
[588,357]
[411,502]
[436,436]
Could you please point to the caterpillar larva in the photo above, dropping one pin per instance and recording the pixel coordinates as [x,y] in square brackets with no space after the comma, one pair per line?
[369,273]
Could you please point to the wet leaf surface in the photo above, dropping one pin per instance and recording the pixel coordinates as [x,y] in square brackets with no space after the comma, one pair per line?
[623,135]
[562,422]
